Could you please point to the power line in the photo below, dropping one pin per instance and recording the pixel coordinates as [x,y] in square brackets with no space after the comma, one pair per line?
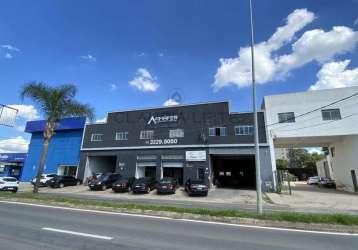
[310,118]
[320,124]
[317,109]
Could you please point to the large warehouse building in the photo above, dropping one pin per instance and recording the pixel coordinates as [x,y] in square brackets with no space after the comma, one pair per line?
[186,141]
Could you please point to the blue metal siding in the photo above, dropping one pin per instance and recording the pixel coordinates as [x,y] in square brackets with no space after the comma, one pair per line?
[64,149]
[71,123]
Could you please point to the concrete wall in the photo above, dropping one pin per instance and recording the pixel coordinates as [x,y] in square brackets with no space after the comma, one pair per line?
[64,149]
[344,160]
[324,168]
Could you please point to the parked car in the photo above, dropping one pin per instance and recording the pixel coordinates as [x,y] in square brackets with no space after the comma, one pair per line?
[44,179]
[144,185]
[327,182]
[124,184]
[9,184]
[196,187]
[61,181]
[313,180]
[104,181]
[167,185]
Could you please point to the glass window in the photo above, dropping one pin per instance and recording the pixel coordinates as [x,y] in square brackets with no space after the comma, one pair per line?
[244,130]
[146,134]
[121,136]
[97,137]
[176,133]
[331,114]
[218,131]
[286,117]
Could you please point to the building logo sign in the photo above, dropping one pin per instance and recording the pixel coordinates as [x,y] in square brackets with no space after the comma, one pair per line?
[162,119]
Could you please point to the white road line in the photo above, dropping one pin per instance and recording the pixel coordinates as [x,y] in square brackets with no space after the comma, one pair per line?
[184,220]
[77,233]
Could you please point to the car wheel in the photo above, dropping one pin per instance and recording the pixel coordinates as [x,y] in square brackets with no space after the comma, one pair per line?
[148,190]
[62,185]
[78,183]
[14,191]
[104,187]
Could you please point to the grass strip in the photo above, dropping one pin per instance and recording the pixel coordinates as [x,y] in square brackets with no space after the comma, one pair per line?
[341,219]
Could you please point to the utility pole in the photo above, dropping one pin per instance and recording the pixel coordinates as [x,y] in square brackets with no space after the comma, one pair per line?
[256,129]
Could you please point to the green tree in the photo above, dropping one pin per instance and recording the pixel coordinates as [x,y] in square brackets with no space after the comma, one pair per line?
[300,158]
[281,164]
[54,103]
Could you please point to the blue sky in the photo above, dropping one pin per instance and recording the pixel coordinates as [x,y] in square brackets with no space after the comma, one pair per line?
[136,53]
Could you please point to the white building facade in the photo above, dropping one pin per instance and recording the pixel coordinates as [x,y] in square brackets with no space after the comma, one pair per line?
[322,118]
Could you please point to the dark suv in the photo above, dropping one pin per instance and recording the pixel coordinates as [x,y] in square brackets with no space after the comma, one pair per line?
[63,181]
[144,185]
[196,187]
[124,184]
[104,181]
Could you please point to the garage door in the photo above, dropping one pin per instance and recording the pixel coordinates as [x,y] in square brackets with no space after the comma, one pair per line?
[173,170]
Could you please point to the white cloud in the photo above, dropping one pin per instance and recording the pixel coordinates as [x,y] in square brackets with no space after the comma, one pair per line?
[14,145]
[27,112]
[320,46]
[10,47]
[113,87]
[104,119]
[314,150]
[170,102]
[160,54]
[313,45]
[89,58]
[8,56]
[144,81]
[336,75]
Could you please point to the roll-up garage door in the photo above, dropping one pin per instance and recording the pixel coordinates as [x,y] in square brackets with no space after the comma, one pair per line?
[174,170]
[146,164]
[172,164]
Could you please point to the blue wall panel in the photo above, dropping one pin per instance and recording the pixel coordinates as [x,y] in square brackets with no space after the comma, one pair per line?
[64,149]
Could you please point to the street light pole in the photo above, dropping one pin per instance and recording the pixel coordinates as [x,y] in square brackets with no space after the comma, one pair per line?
[256,129]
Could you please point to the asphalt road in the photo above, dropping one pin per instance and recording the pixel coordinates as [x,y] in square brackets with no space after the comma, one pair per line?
[29,227]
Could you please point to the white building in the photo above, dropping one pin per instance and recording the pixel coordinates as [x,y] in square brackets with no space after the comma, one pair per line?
[324,167]
[322,118]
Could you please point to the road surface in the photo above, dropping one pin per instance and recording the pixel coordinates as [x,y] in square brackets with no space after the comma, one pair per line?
[32,227]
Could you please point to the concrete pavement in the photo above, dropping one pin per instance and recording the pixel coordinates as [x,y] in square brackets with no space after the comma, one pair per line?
[26,227]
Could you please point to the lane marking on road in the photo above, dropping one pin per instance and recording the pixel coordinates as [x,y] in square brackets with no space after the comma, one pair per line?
[184,220]
[77,233]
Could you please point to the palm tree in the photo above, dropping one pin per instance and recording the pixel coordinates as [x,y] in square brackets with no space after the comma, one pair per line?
[54,103]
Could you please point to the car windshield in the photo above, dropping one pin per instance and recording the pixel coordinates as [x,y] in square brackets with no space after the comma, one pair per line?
[10,179]
[197,182]
[103,177]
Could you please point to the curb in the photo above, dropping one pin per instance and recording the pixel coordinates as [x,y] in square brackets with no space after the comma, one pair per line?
[321,227]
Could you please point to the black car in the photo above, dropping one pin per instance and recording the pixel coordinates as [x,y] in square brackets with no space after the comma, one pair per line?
[196,187]
[144,185]
[124,184]
[62,181]
[104,181]
[167,185]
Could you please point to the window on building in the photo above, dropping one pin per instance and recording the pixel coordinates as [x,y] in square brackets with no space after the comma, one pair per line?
[331,114]
[218,131]
[146,134]
[244,130]
[121,136]
[97,137]
[176,133]
[287,117]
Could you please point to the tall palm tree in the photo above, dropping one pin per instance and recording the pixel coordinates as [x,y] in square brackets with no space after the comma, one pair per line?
[54,103]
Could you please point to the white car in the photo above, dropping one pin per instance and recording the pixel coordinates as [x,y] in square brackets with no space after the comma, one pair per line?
[44,179]
[313,180]
[9,184]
